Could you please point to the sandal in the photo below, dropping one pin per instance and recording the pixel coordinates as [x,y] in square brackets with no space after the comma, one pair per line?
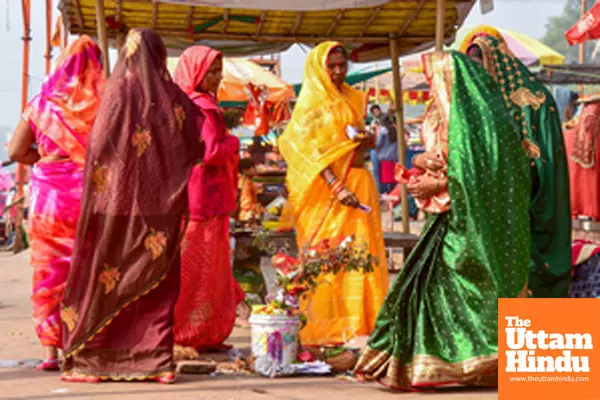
[51,364]
[166,379]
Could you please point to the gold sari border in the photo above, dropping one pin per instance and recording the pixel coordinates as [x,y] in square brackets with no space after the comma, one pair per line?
[425,370]
[116,377]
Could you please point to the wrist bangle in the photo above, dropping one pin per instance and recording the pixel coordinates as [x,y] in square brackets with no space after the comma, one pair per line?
[331,181]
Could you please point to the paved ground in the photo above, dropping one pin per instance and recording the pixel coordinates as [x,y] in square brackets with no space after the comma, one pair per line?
[18,342]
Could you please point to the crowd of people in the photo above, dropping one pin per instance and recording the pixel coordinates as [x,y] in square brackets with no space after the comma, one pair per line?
[135,178]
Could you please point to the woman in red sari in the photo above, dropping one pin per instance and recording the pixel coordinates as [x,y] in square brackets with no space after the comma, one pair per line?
[206,309]
[118,305]
[58,120]
[581,141]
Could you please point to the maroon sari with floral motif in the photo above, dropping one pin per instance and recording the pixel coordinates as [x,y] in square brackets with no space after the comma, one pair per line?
[118,305]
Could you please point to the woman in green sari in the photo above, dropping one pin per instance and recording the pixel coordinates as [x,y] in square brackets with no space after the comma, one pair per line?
[439,322]
[535,112]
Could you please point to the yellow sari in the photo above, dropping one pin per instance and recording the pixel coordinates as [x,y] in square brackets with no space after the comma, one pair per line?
[345,305]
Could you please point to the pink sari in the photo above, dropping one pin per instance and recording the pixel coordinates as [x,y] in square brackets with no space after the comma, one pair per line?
[61,117]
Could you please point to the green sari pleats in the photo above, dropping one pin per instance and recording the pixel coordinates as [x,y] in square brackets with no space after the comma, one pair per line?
[438,324]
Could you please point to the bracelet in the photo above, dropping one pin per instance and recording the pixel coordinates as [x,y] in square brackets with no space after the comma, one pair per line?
[331,181]
[336,188]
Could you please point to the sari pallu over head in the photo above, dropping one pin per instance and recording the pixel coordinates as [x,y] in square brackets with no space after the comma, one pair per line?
[140,153]
[315,138]
[535,112]
[66,107]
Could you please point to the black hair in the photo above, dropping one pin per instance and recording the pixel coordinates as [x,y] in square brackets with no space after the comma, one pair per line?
[474,51]
[245,164]
[375,107]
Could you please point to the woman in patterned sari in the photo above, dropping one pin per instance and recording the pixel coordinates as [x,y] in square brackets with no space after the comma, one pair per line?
[58,121]
[206,309]
[327,180]
[474,248]
[536,114]
[118,305]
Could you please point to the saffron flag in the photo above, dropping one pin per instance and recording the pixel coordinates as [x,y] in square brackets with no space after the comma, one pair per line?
[587,28]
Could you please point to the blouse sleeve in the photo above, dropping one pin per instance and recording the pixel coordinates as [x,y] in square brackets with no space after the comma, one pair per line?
[218,151]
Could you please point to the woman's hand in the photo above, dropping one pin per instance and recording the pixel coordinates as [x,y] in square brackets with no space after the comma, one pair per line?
[347,198]
[366,140]
[425,187]
[429,161]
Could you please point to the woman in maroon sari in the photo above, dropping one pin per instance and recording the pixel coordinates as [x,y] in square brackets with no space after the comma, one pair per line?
[206,310]
[118,304]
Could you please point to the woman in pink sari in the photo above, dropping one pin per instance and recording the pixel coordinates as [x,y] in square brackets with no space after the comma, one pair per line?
[58,121]
[206,309]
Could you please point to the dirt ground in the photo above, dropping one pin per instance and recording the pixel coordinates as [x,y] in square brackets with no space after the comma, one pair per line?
[19,343]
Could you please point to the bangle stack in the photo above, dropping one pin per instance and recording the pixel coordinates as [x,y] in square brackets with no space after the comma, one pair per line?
[336,187]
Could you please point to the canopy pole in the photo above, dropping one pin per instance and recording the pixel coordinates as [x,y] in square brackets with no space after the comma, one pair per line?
[439,25]
[103,35]
[582,45]
[48,54]
[395,55]
[26,9]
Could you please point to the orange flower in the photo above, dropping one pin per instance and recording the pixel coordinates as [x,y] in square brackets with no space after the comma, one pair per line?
[109,278]
[156,242]
[141,140]
[69,316]
[179,114]
[100,178]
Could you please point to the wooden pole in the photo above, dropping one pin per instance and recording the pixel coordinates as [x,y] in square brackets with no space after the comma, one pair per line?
[582,44]
[395,55]
[48,55]
[26,9]
[440,23]
[103,35]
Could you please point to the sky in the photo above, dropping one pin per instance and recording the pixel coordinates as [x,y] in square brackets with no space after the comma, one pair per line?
[525,16]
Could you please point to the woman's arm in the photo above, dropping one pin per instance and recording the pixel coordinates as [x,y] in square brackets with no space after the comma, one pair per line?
[20,148]
[344,196]
[217,152]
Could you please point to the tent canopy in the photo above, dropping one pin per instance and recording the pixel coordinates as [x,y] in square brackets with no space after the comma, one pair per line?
[262,26]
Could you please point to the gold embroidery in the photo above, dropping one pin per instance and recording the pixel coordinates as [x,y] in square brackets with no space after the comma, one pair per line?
[201,314]
[134,39]
[69,316]
[524,97]
[109,278]
[100,178]
[141,140]
[531,149]
[156,242]
[179,115]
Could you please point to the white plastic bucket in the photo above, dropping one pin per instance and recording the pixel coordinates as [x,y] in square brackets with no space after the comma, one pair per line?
[274,342]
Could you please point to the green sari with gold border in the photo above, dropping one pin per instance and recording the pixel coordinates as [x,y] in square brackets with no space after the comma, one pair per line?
[438,324]
[535,112]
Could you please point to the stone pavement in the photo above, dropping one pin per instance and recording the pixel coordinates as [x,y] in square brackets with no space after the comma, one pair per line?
[18,342]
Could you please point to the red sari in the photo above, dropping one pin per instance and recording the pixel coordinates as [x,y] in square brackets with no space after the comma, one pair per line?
[117,310]
[581,142]
[206,309]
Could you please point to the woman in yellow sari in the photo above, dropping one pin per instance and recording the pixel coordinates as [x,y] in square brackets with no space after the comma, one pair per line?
[327,182]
